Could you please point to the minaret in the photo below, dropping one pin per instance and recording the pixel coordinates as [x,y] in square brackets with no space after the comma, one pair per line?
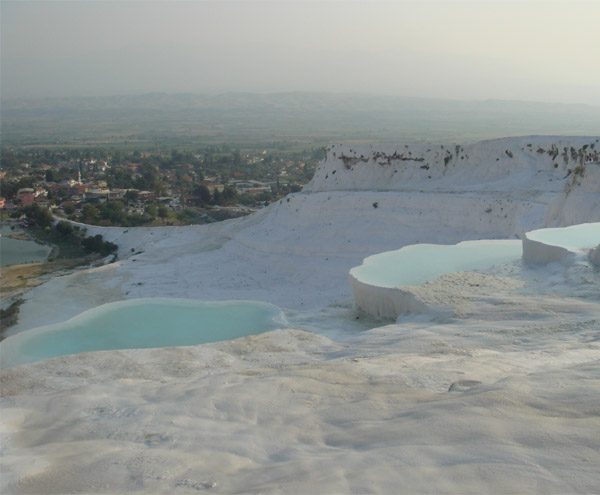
[79,176]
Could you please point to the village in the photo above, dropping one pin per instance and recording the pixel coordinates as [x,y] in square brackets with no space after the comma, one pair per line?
[107,187]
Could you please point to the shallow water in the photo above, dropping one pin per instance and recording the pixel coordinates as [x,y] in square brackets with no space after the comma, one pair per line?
[143,323]
[420,263]
[16,251]
[586,235]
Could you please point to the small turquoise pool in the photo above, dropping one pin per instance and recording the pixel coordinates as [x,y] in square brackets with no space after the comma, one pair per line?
[142,324]
[419,263]
[585,235]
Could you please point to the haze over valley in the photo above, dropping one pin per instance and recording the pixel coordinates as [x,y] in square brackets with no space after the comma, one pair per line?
[163,120]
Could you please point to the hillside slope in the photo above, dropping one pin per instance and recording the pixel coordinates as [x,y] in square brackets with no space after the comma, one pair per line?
[498,395]
[296,253]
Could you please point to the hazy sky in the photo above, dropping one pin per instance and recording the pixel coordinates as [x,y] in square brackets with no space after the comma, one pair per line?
[540,50]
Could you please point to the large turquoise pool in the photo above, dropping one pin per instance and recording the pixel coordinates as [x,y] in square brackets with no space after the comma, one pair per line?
[142,323]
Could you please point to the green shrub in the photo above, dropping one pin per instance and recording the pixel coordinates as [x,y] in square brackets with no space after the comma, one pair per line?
[64,228]
[95,244]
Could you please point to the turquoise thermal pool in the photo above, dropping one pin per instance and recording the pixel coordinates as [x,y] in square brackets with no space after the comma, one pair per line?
[419,263]
[141,324]
[384,286]
[586,235]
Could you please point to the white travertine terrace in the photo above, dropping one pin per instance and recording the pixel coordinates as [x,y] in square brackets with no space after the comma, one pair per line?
[383,286]
[548,245]
[500,396]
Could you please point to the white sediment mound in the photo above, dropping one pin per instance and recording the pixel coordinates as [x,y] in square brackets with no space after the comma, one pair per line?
[501,394]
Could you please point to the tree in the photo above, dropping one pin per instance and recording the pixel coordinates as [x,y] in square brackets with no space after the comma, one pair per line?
[118,157]
[119,177]
[113,212]
[151,210]
[40,215]
[159,188]
[208,158]
[149,175]
[203,193]
[8,189]
[131,196]
[90,214]
[237,157]
[176,156]
[163,211]
[64,228]
[95,244]
[69,209]
[64,173]
[230,195]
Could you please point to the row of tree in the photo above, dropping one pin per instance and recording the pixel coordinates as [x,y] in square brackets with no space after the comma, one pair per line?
[42,217]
